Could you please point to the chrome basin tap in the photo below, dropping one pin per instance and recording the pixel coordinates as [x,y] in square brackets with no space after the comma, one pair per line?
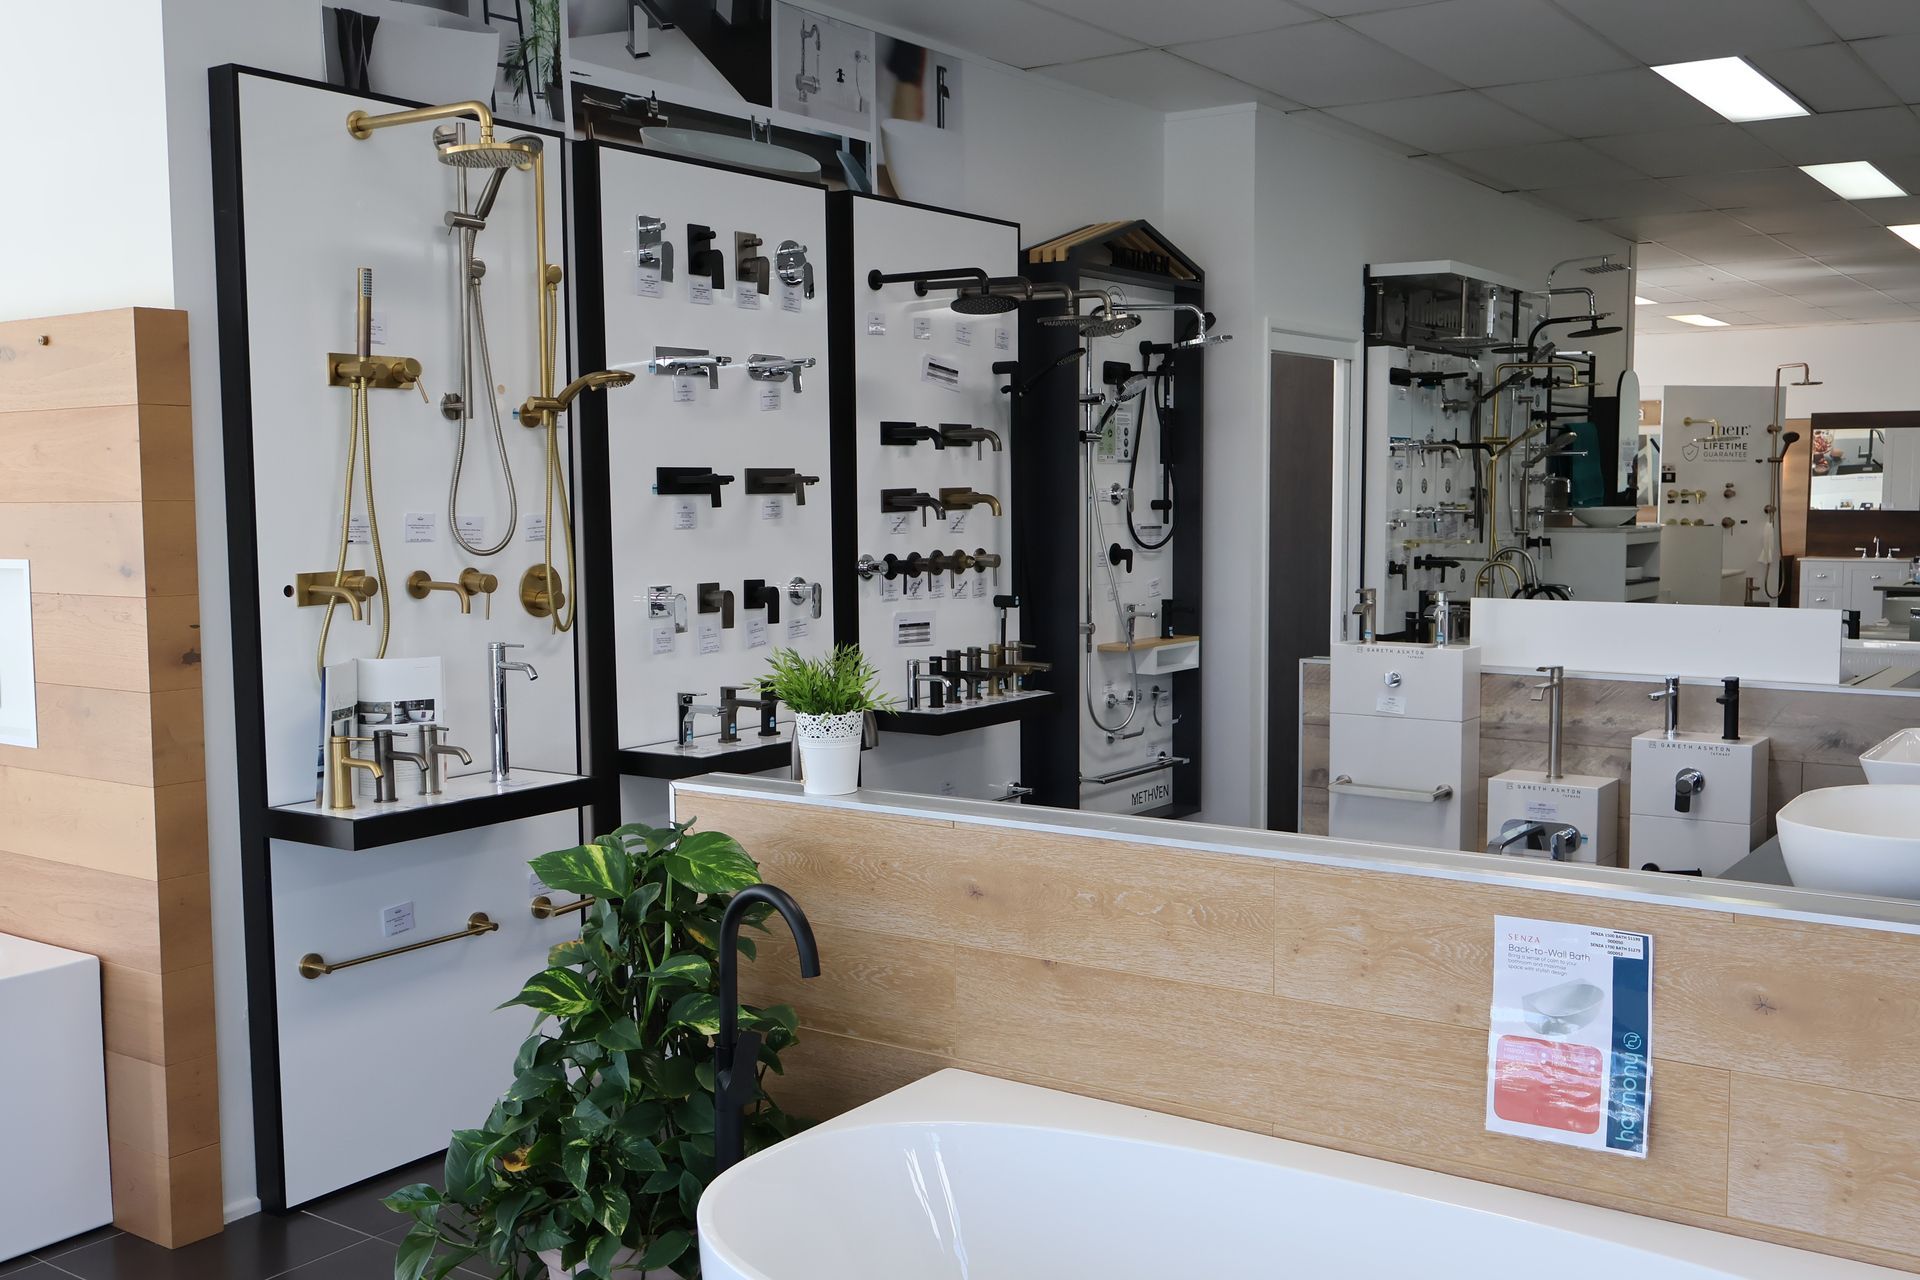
[499,665]
[1558,841]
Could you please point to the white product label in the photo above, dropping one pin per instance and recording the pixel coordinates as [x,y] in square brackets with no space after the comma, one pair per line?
[769,397]
[686,513]
[963,333]
[1002,340]
[357,531]
[876,324]
[914,588]
[536,887]
[377,327]
[706,633]
[942,371]
[422,526]
[1123,422]
[700,291]
[683,390]
[1390,704]
[956,522]
[472,528]
[899,522]
[912,629]
[791,296]
[962,587]
[396,919]
[646,282]
[937,586]
[773,507]
[889,588]
[757,637]
[662,637]
[746,294]
[1570,1038]
[923,328]
[799,627]
[1153,589]
[536,529]
[1150,532]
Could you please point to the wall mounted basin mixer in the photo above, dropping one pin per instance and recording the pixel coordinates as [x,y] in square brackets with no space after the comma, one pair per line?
[765,368]
[685,709]
[967,499]
[910,433]
[690,482]
[781,480]
[1558,841]
[896,501]
[499,665]
[690,366]
[384,754]
[432,749]
[961,433]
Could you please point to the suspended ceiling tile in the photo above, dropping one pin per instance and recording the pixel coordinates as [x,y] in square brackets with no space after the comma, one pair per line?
[1157,79]
[1671,153]
[1321,64]
[1538,165]
[1734,289]
[1458,121]
[1830,215]
[1862,19]
[1346,129]
[1652,257]
[1841,135]
[1827,77]
[1343,8]
[1881,312]
[1682,279]
[1822,244]
[1155,22]
[1662,31]
[1896,60]
[1662,297]
[1788,274]
[1015,32]
[1657,226]
[1633,101]
[1734,252]
[1619,199]
[1489,42]
[1838,292]
[1781,186]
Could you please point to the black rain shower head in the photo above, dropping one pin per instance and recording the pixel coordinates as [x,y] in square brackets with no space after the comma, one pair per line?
[984,302]
[1595,331]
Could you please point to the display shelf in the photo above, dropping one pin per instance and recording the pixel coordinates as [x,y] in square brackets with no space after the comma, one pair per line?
[469,801]
[1160,655]
[935,722]
[752,754]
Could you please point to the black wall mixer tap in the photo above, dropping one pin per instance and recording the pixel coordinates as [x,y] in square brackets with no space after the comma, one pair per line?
[897,501]
[780,480]
[690,482]
[910,433]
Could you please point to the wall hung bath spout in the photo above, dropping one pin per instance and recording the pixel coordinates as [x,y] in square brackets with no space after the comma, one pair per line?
[652,250]
[498,667]
[1557,841]
[702,258]
[758,593]
[960,433]
[341,762]
[964,499]
[750,266]
[805,596]
[765,368]
[791,265]
[910,433]
[685,710]
[385,754]
[897,501]
[709,598]
[688,362]
[433,750]
[1687,784]
[780,480]
[690,482]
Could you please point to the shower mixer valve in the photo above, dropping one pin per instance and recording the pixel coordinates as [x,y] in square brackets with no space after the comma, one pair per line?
[802,594]
[758,593]
[750,266]
[354,588]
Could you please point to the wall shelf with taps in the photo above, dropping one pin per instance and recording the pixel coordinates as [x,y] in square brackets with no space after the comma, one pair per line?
[464,803]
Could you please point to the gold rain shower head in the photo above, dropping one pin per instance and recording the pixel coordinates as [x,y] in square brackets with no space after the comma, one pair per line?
[485,153]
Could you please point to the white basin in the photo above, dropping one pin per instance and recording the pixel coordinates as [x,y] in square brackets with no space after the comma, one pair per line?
[1563,1010]
[1854,839]
[742,153]
[927,164]
[1605,517]
[1895,760]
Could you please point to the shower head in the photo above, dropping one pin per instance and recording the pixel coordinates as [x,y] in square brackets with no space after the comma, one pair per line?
[1808,382]
[1105,322]
[1595,331]
[1597,265]
[1788,438]
[1605,266]
[486,153]
[983,302]
[1202,340]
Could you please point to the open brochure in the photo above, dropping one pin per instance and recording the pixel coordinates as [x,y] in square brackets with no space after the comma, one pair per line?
[366,694]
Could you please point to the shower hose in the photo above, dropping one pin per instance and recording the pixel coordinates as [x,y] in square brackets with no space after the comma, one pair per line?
[476,322]
[359,458]
[1096,537]
[556,487]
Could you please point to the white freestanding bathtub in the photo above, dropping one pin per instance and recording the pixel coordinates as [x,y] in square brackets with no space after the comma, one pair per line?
[966,1177]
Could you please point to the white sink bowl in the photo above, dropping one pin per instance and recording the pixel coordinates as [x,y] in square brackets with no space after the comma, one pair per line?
[743,153]
[1895,760]
[1605,517]
[1854,840]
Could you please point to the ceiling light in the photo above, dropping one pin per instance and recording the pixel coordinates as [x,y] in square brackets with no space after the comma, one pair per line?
[1910,232]
[1705,322]
[1643,302]
[1853,180]
[1733,88]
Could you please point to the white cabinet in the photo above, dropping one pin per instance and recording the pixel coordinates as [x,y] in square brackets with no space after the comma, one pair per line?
[1850,584]
[1604,564]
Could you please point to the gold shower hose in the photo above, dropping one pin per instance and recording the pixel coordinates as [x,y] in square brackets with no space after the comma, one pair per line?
[359,429]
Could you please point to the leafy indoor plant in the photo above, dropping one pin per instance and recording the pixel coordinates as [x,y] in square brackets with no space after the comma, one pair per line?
[830,698]
[596,1156]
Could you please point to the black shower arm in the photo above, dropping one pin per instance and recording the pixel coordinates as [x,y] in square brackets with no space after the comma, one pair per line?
[946,278]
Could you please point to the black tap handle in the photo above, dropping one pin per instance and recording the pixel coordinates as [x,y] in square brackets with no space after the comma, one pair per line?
[1117,554]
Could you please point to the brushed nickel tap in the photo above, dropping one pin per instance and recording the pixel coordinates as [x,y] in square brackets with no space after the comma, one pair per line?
[499,665]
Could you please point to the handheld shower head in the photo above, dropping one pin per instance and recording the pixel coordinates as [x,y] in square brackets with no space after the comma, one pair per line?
[1787,439]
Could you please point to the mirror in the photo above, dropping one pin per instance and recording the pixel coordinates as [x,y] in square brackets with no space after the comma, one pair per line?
[1865,469]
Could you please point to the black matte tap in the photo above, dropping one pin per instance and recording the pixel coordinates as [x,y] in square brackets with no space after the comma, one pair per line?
[893,501]
[758,593]
[1687,784]
[768,480]
[940,95]
[736,1053]
[732,704]
[909,433]
[689,481]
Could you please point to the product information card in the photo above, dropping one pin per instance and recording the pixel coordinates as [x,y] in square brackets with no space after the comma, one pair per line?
[1570,1050]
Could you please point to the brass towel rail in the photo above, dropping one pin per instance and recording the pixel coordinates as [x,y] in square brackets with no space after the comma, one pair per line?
[543,908]
[314,965]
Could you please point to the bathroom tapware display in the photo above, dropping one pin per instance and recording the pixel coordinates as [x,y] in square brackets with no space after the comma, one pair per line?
[304,203]
[1549,812]
[1699,800]
[1404,745]
[1113,342]
[715,492]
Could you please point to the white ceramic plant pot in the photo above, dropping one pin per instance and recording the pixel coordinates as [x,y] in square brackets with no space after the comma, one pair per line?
[830,751]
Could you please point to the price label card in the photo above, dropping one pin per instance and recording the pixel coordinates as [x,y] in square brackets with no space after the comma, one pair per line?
[773,507]
[663,637]
[899,522]
[757,637]
[912,629]
[963,333]
[686,513]
[536,529]
[683,390]
[937,587]
[706,633]
[746,294]
[889,588]
[358,530]
[923,328]
[422,526]
[799,627]
[791,296]
[962,587]
[646,282]
[700,291]
[377,328]
[769,397]
[957,522]
[1002,340]
[472,528]
[914,588]
[876,324]
[941,371]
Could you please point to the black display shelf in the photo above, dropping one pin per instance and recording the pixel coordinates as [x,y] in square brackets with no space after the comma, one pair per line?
[471,801]
[984,714]
[664,760]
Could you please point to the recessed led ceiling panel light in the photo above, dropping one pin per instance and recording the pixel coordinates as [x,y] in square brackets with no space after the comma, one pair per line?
[1733,88]
[1705,322]
[1854,180]
[1642,302]
[1910,232]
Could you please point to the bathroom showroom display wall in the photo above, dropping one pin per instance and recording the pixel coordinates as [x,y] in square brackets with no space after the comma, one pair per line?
[301,205]
[628,435]
[1817,734]
[1287,985]
[103,824]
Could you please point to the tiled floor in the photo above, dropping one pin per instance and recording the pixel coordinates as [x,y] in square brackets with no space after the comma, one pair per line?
[349,1235]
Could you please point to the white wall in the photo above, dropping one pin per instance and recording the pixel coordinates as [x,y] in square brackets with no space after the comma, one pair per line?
[84,92]
[1286,257]
[1865,367]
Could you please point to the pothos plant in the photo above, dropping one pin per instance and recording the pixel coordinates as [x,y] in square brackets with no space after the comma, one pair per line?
[598,1153]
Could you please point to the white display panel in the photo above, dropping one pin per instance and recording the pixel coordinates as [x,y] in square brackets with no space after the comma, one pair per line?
[19,725]
[1719,456]
[662,421]
[319,205]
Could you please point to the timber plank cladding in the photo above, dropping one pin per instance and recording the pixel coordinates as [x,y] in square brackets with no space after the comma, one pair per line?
[103,825]
[1340,1006]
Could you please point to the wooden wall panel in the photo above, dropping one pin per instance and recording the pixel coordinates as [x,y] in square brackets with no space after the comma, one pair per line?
[1786,1095]
[104,849]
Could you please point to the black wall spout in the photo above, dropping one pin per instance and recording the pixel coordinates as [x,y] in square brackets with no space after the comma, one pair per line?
[736,1054]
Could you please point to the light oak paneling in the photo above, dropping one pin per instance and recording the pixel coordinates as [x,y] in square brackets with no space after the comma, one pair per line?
[825,1074]
[874,989]
[131,356]
[163,1110]
[173,642]
[73,455]
[106,826]
[110,916]
[93,548]
[90,733]
[156,1018]
[94,642]
[171,1201]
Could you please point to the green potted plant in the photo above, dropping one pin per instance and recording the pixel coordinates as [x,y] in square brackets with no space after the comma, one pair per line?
[830,697]
[595,1158]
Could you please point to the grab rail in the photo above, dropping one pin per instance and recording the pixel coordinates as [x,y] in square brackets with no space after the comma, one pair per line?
[1159,762]
[314,965]
[543,908]
[1346,786]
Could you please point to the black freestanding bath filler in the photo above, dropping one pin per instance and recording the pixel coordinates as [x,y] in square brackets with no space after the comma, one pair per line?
[736,1053]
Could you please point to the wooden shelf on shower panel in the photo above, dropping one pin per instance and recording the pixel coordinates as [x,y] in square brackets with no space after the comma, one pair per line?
[707,754]
[465,802]
[1159,655]
[961,717]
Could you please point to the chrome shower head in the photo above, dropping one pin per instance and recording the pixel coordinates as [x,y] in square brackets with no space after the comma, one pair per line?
[1105,323]
[1202,340]
[1605,266]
